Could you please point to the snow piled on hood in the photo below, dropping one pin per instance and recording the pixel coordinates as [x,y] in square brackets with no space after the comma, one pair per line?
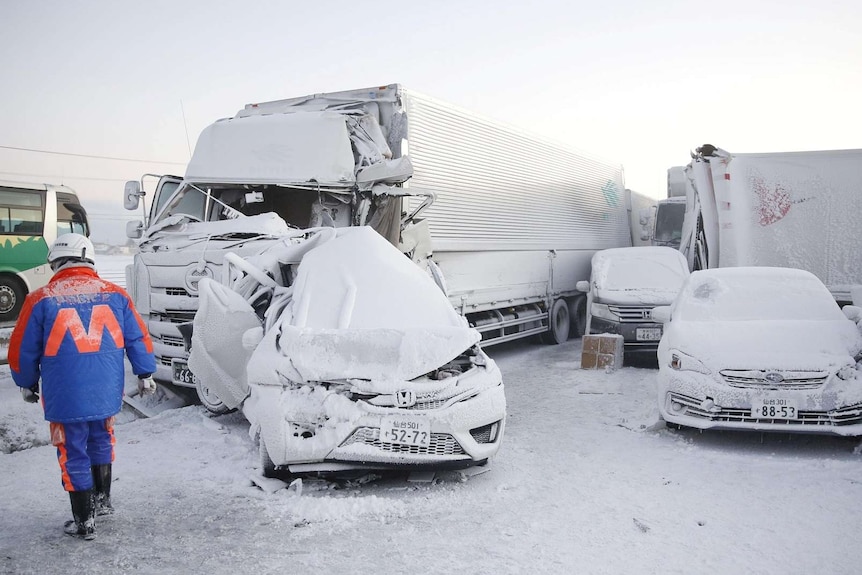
[361,309]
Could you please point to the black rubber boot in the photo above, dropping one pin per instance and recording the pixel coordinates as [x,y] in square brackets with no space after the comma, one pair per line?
[102,487]
[84,512]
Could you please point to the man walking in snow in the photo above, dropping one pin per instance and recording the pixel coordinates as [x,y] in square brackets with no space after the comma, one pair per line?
[81,369]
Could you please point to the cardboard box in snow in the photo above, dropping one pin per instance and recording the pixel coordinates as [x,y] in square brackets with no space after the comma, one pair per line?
[602,351]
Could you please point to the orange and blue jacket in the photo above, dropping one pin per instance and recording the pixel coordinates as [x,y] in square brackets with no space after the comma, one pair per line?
[73,333]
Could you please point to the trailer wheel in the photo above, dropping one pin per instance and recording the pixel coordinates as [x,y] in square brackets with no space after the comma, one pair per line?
[558,323]
[209,399]
[11,297]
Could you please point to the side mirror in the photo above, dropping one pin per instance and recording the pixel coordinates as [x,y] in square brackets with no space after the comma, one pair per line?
[660,314]
[132,195]
[134,229]
[852,312]
[583,286]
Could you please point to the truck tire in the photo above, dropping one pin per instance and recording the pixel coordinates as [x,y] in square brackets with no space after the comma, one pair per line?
[12,295]
[210,400]
[558,323]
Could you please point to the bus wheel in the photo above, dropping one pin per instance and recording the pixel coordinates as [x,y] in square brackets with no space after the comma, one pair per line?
[11,298]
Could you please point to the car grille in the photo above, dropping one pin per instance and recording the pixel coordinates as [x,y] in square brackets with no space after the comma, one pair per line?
[756,379]
[844,416]
[631,313]
[177,291]
[439,444]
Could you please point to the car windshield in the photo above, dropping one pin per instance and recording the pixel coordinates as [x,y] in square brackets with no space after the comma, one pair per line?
[740,294]
[643,273]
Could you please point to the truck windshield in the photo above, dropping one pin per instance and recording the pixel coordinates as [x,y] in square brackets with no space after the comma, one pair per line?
[668,224]
[214,202]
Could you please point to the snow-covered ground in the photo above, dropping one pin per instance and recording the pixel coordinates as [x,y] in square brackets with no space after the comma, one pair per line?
[587,481]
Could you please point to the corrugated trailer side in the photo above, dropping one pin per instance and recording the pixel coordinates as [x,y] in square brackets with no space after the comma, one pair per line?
[516,218]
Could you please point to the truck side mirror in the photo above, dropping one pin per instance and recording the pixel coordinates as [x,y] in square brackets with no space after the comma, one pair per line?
[583,286]
[132,195]
[134,229]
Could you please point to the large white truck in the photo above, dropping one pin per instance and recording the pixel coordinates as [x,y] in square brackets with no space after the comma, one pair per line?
[507,222]
[788,209]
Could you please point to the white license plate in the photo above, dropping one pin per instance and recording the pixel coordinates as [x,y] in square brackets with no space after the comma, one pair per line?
[181,373]
[648,333]
[774,408]
[405,431]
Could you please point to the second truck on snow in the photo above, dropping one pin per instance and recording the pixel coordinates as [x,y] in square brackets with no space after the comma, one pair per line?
[504,221]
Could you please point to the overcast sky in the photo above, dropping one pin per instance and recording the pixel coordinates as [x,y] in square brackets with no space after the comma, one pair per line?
[638,83]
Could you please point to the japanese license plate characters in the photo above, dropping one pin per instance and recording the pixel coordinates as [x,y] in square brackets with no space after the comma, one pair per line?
[405,431]
[180,372]
[648,333]
[774,408]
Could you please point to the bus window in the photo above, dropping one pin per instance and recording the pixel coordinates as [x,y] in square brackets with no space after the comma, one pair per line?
[21,212]
[71,217]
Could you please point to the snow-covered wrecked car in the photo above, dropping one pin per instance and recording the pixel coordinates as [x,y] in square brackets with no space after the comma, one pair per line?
[344,354]
[625,285]
[758,348]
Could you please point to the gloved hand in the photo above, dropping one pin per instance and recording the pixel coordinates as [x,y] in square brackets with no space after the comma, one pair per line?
[30,395]
[146,385]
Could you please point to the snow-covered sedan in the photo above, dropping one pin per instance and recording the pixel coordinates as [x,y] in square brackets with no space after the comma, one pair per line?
[344,354]
[764,349]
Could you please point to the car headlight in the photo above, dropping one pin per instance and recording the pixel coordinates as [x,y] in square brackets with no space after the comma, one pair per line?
[684,362]
[602,311]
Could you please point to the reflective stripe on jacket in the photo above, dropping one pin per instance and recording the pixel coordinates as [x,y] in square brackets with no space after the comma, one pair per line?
[73,333]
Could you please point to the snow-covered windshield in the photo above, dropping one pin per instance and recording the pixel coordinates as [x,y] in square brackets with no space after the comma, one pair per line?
[641,268]
[744,294]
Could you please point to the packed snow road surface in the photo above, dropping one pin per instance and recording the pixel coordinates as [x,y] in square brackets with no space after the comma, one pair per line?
[587,481]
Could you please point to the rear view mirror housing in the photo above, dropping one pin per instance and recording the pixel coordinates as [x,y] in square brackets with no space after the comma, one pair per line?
[583,286]
[134,229]
[132,195]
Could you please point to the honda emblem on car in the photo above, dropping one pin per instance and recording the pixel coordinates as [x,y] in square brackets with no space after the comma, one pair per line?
[405,398]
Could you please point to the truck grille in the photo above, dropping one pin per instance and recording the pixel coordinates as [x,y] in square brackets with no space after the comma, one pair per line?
[174,315]
[439,444]
[756,379]
[631,313]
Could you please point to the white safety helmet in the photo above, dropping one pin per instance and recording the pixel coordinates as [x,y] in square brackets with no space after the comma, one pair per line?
[71,247]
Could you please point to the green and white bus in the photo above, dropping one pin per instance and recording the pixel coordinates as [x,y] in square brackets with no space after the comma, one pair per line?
[31,218]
